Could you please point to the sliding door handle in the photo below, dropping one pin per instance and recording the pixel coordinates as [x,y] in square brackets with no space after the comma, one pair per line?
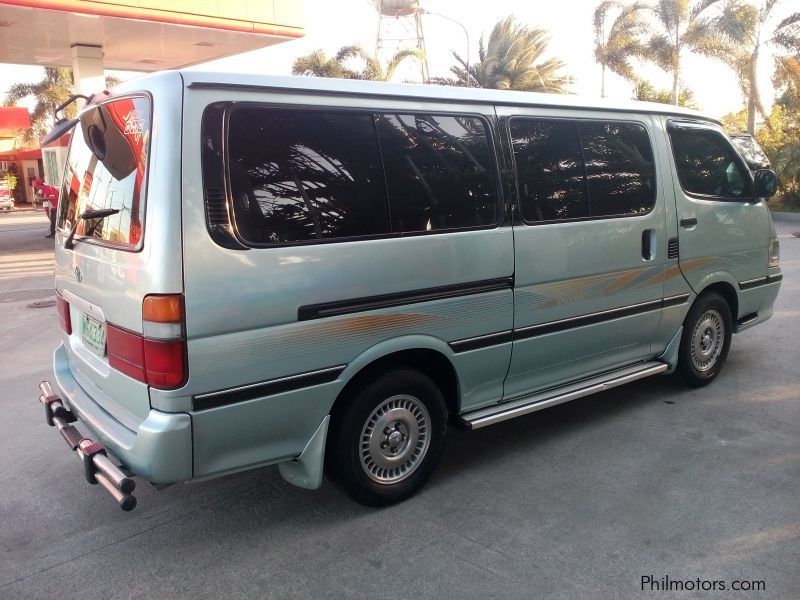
[649,244]
[690,222]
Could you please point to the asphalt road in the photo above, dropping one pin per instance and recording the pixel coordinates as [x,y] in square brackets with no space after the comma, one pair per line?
[579,501]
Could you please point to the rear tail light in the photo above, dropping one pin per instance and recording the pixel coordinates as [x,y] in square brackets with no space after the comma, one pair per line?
[126,352]
[165,363]
[774,253]
[157,357]
[62,307]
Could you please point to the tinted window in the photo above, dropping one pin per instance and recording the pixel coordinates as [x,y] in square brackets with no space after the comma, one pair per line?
[580,169]
[619,168]
[439,172]
[107,168]
[707,164]
[298,175]
[549,169]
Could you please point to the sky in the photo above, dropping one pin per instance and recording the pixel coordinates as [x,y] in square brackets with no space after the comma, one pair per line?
[331,25]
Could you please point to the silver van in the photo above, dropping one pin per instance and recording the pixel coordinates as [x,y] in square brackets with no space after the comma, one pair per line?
[324,274]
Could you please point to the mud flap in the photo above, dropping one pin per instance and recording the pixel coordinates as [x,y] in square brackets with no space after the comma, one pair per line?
[305,471]
[670,355]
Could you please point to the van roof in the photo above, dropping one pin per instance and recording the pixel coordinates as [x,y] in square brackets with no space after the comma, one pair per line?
[211,79]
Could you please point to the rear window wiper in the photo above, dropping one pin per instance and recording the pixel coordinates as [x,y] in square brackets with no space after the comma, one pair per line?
[87,215]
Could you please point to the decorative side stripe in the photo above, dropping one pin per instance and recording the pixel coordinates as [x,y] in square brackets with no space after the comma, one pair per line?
[599,317]
[754,283]
[554,326]
[675,301]
[502,337]
[267,388]
[344,307]
[774,279]
[482,341]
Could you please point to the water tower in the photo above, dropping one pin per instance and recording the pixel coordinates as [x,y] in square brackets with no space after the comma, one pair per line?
[399,27]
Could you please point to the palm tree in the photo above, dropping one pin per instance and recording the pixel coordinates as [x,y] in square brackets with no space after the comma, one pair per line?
[318,64]
[745,25]
[509,61]
[54,89]
[684,28]
[616,45]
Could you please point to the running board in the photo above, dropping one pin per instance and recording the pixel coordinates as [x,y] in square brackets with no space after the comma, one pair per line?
[522,406]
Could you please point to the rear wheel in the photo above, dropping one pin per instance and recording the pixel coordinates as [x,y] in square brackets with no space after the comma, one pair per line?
[387,441]
[706,339]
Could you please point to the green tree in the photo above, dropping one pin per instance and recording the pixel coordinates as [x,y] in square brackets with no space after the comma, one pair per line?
[54,89]
[646,92]
[685,27]
[512,60]
[746,27]
[319,64]
[616,44]
[780,137]
[787,81]
[779,134]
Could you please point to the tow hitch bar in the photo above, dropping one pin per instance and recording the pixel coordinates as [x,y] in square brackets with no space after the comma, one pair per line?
[97,468]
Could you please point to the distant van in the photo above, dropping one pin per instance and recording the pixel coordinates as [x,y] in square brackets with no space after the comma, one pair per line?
[323,274]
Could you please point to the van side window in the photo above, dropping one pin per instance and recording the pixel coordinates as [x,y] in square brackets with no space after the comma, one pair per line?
[707,164]
[582,169]
[300,175]
[549,169]
[439,172]
[619,168]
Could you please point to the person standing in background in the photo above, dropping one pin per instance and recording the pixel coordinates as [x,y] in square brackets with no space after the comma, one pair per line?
[50,195]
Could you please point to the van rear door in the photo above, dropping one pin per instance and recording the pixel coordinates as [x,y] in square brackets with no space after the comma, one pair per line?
[105,271]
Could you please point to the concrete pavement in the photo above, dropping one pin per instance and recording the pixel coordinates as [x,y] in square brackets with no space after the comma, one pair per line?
[578,501]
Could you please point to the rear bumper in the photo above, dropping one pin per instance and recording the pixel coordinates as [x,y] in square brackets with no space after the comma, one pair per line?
[158,450]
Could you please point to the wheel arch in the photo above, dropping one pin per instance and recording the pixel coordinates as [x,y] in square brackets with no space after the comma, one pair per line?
[725,289]
[429,356]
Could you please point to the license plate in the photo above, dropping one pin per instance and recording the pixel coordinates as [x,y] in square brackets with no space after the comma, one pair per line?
[93,335]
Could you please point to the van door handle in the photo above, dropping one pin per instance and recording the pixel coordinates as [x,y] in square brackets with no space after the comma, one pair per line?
[648,244]
[690,222]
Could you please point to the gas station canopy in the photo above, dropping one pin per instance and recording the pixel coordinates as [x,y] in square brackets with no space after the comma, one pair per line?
[143,35]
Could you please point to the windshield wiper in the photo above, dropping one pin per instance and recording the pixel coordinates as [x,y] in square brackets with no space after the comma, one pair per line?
[88,214]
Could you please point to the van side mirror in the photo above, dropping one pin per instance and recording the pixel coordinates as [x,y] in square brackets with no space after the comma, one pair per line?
[766,183]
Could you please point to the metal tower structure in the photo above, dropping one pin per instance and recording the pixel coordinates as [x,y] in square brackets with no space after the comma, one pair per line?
[399,27]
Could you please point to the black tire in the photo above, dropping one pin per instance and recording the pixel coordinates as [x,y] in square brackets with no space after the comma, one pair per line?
[706,340]
[379,468]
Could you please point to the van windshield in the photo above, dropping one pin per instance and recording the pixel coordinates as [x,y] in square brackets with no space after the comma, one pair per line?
[107,168]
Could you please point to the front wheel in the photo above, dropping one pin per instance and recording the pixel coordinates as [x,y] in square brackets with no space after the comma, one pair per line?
[706,340]
[387,441]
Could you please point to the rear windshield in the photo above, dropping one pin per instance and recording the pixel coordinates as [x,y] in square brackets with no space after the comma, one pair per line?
[107,168]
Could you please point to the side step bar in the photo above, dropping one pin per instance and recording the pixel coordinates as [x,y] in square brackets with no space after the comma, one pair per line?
[97,468]
[528,404]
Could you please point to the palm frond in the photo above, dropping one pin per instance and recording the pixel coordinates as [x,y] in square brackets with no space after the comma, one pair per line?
[18,91]
[398,58]
[787,33]
[701,7]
